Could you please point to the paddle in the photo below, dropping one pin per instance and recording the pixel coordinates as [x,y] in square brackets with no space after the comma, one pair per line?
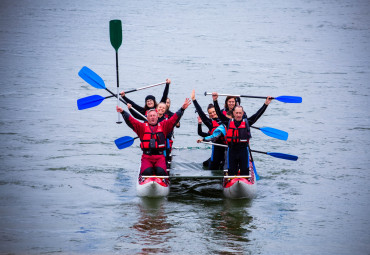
[254,167]
[149,86]
[279,155]
[272,154]
[273,132]
[95,100]
[284,99]
[124,142]
[97,82]
[90,101]
[115,32]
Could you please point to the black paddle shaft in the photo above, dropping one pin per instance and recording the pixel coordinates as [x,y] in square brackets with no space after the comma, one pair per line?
[123,101]
[117,69]
[207,93]
[263,152]
[255,97]
[114,95]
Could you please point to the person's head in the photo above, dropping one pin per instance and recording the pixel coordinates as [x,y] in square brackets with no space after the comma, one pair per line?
[150,102]
[168,103]
[238,113]
[212,111]
[161,108]
[230,114]
[230,102]
[152,116]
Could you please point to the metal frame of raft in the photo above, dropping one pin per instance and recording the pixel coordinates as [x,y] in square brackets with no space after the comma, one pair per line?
[196,177]
[238,186]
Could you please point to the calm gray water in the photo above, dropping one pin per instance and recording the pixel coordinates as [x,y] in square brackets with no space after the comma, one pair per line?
[66,188]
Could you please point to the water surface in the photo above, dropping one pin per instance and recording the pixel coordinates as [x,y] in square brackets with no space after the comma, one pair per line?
[65,188]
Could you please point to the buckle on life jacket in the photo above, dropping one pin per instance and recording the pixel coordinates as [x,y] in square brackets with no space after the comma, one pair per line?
[153,152]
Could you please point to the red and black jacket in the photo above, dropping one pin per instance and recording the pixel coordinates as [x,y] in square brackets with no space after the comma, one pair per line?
[240,134]
[221,139]
[158,136]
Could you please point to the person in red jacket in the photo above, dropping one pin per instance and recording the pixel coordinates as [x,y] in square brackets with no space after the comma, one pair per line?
[152,135]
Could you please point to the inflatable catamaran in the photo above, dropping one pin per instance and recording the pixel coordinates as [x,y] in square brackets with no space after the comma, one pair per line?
[159,186]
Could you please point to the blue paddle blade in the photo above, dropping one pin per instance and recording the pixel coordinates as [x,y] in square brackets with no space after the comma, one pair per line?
[275,133]
[89,102]
[255,172]
[282,156]
[289,99]
[124,142]
[91,78]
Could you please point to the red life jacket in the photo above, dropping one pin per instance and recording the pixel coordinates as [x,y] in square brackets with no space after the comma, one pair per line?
[158,136]
[215,125]
[239,134]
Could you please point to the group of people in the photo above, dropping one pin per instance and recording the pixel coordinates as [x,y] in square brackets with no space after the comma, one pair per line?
[228,126]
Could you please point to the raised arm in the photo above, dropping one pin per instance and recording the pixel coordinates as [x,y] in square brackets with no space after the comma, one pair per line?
[207,121]
[130,121]
[200,131]
[129,101]
[258,114]
[220,115]
[169,124]
[136,115]
[165,92]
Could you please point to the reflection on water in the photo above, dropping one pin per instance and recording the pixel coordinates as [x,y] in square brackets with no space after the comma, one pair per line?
[152,229]
[234,219]
[231,224]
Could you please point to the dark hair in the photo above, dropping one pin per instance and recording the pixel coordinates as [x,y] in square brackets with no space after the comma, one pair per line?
[152,98]
[147,107]
[166,103]
[210,106]
[227,99]
[230,113]
[238,106]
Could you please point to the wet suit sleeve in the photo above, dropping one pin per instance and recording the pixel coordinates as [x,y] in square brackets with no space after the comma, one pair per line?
[135,125]
[136,115]
[169,124]
[170,114]
[219,131]
[137,107]
[257,115]
[207,121]
[165,93]
[220,115]
[200,132]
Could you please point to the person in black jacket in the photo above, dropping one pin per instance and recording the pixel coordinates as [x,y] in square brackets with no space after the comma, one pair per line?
[150,102]
[218,153]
